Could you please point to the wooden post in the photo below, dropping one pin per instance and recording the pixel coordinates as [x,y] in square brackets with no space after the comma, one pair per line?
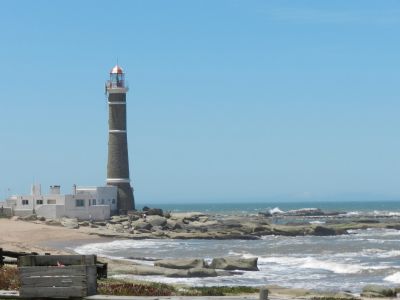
[1,258]
[263,293]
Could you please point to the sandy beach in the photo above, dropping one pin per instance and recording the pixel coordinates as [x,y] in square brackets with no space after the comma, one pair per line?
[16,235]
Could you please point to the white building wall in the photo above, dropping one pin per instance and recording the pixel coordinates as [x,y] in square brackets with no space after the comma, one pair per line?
[94,203]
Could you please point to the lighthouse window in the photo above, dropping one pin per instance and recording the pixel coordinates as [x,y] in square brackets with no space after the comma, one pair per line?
[25,202]
[79,202]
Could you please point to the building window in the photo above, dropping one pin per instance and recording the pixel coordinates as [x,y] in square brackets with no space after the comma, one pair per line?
[90,202]
[25,202]
[94,201]
[113,201]
[79,203]
[39,201]
[51,201]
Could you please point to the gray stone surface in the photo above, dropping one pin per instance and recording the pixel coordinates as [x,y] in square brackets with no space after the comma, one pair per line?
[235,263]
[180,263]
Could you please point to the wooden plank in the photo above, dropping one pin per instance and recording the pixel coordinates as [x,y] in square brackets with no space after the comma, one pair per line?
[53,271]
[54,260]
[52,292]
[54,281]
[91,275]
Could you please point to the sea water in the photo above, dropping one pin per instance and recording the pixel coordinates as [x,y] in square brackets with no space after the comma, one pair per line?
[345,262]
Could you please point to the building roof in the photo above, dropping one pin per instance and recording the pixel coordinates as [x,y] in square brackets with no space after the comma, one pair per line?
[117,70]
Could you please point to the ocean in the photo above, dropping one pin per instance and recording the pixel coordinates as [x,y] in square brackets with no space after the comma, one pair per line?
[335,263]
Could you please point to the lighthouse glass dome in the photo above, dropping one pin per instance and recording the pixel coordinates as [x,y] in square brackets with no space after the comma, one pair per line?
[117,78]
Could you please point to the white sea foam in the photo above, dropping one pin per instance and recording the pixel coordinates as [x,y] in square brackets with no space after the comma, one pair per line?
[275,210]
[317,222]
[393,278]
[313,263]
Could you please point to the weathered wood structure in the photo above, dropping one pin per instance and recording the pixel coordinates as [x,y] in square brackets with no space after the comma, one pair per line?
[57,276]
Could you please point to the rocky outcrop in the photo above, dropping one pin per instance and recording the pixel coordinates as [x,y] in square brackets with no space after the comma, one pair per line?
[180,263]
[373,291]
[235,263]
[156,220]
[70,223]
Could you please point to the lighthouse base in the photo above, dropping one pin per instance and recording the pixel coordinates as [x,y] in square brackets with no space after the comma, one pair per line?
[125,199]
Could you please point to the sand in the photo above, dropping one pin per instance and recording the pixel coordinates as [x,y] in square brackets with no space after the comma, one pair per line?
[16,235]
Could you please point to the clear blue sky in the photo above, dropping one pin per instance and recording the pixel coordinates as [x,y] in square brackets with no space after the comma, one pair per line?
[229,100]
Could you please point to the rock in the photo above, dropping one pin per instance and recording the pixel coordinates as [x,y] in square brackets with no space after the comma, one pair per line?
[42,219]
[133,217]
[145,208]
[141,225]
[304,212]
[189,216]
[71,223]
[324,231]
[118,219]
[115,227]
[155,212]
[84,223]
[156,220]
[100,223]
[176,273]
[373,290]
[180,263]
[202,272]
[235,263]
[29,218]
[53,222]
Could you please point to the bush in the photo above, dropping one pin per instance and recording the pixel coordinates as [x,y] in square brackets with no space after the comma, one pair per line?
[9,279]
[220,290]
[134,289]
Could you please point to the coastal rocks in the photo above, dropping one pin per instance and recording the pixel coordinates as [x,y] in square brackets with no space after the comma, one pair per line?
[373,290]
[71,223]
[180,263]
[141,225]
[29,218]
[324,231]
[156,220]
[234,263]
[154,212]
[53,222]
[202,272]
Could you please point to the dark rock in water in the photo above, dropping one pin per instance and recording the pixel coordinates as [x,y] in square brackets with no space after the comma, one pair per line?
[366,221]
[235,263]
[393,226]
[373,290]
[145,208]
[180,263]
[265,214]
[304,212]
[324,231]
[155,212]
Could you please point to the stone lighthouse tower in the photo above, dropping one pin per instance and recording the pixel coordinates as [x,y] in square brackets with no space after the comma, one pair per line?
[118,163]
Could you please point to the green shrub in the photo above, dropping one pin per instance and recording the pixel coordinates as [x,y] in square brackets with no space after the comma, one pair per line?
[134,289]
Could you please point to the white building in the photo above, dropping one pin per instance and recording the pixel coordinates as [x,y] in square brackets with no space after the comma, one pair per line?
[84,203]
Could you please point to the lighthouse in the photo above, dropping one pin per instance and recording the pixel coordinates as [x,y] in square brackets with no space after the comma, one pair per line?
[118,162]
